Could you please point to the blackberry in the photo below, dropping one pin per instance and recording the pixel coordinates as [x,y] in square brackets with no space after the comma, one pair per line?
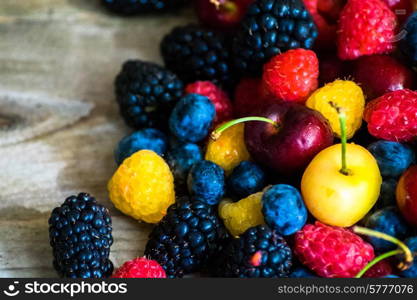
[80,234]
[271,27]
[146,93]
[259,252]
[194,53]
[186,238]
[135,7]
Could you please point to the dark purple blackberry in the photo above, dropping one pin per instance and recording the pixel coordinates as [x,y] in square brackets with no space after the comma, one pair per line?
[186,238]
[259,252]
[135,7]
[146,93]
[80,234]
[269,28]
[195,53]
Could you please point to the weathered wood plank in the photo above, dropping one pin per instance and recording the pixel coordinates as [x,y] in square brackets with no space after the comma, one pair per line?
[59,122]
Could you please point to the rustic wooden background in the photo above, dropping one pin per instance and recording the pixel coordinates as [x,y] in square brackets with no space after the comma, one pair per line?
[58,119]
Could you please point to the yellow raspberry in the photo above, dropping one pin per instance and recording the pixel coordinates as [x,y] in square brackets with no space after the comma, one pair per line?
[345,94]
[242,215]
[143,187]
[229,149]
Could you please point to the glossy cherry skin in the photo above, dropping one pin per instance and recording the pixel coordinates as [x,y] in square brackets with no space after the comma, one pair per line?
[407,195]
[381,74]
[287,150]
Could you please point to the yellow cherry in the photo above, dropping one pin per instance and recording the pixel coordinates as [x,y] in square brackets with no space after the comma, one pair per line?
[338,199]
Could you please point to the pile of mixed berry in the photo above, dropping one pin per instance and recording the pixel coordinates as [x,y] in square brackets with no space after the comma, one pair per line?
[279,140]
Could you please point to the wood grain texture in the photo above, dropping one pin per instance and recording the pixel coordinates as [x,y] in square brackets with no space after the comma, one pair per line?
[58,119]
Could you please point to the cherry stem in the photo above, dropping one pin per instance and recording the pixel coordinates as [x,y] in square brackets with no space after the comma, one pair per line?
[377,260]
[342,119]
[218,132]
[407,263]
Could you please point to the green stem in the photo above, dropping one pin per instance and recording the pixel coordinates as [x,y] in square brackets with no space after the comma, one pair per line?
[218,132]
[408,260]
[377,260]
[342,119]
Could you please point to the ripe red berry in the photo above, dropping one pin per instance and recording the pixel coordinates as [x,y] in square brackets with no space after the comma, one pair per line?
[402,8]
[381,269]
[292,75]
[224,108]
[366,28]
[332,252]
[250,94]
[140,268]
[393,116]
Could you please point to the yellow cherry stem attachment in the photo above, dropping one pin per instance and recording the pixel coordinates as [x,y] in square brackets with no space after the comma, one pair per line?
[342,119]
[403,249]
[218,132]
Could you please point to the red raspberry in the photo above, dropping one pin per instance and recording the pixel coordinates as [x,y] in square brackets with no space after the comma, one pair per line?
[365,28]
[224,108]
[332,252]
[381,269]
[140,268]
[292,75]
[393,116]
[402,8]
[250,94]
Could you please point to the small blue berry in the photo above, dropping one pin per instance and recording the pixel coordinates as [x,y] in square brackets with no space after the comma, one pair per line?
[191,118]
[393,158]
[408,45]
[206,182]
[246,179]
[301,272]
[391,276]
[181,158]
[149,139]
[284,209]
[389,221]
[411,272]
[387,195]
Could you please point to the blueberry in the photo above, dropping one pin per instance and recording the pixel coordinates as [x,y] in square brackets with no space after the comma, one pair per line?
[206,182]
[246,179]
[389,221]
[408,45]
[393,158]
[191,118]
[301,272]
[181,158]
[149,139]
[284,209]
[387,195]
[411,272]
